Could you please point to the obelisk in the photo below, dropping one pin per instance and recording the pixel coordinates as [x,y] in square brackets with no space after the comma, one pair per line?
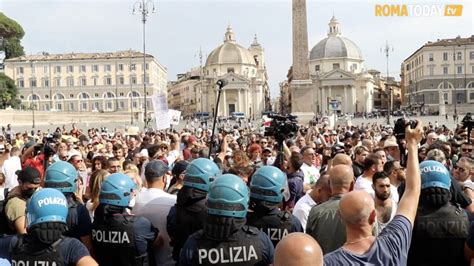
[302,100]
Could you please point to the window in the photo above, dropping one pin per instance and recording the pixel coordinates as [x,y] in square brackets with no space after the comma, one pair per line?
[107,68]
[445,56]
[230,70]
[83,68]
[57,82]
[95,81]
[133,67]
[83,81]
[70,69]
[445,96]
[431,71]
[133,80]
[71,95]
[459,56]
[146,66]
[459,69]
[317,68]
[460,97]
[20,70]
[33,70]
[96,106]
[71,106]
[121,105]
[21,83]
[471,55]
[121,80]
[147,80]
[121,94]
[96,95]
[45,69]
[33,83]
[108,81]
[57,69]
[431,97]
[445,70]
[95,68]
[70,82]
[120,67]
[335,66]
[471,96]
[431,57]
[45,82]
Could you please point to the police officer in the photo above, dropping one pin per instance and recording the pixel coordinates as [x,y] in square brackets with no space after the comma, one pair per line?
[120,238]
[225,238]
[266,192]
[62,176]
[190,212]
[44,243]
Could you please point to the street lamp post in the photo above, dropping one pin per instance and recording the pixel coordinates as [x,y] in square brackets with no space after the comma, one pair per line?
[386,49]
[143,7]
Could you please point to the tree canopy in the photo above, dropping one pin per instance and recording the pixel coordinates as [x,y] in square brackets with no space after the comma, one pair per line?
[11,32]
[8,92]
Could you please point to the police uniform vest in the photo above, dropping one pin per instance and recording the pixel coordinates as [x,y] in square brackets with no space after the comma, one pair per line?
[446,222]
[189,220]
[114,241]
[276,224]
[72,218]
[245,249]
[32,254]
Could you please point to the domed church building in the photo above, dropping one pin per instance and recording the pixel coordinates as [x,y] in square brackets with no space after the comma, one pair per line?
[244,69]
[339,80]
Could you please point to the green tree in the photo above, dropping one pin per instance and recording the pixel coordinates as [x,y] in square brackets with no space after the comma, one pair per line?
[11,34]
[8,92]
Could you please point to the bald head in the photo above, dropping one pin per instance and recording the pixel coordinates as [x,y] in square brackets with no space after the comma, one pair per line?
[341,178]
[342,159]
[298,249]
[357,209]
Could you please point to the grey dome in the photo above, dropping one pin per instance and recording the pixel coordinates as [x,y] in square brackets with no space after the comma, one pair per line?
[230,52]
[335,45]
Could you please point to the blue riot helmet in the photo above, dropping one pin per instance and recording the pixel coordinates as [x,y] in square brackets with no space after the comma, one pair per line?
[267,184]
[46,205]
[117,190]
[200,173]
[228,196]
[61,176]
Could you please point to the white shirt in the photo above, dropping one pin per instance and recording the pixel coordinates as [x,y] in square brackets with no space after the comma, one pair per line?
[363,183]
[394,193]
[302,208]
[9,168]
[311,173]
[154,204]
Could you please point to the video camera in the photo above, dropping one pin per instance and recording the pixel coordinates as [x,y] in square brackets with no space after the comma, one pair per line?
[282,127]
[400,125]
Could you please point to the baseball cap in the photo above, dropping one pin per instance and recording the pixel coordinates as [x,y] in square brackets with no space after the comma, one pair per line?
[267,149]
[155,168]
[434,174]
[29,175]
[2,148]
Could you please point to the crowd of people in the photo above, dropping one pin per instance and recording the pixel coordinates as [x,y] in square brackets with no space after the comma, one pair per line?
[348,195]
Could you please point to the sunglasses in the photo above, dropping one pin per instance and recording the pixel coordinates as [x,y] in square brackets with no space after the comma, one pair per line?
[78,161]
[467,150]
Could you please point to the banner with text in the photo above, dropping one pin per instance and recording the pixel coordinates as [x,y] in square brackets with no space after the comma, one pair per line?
[160,107]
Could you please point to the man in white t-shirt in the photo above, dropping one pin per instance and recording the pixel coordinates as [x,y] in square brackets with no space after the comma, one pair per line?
[154,204]
[320,193]
[311,173]
[372,163]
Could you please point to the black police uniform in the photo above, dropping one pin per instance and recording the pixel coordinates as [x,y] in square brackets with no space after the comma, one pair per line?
[122,239]
[439,236]
[275,223]
[247,246]
[183,221]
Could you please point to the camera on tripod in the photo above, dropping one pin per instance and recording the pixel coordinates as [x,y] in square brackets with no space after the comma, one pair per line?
[282,127]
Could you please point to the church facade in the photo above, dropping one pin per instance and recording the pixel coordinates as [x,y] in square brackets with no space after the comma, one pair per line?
[337,80]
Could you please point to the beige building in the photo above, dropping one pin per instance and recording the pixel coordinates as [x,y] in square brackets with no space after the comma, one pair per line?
[382,92]
[81,82]
[439,77]
[247,90]
[183,93]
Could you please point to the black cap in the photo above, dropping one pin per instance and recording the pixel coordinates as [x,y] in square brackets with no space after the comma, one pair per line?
[179,167]
[29,175]
[155,168]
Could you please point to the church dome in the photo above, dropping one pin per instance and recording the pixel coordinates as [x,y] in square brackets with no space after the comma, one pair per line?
[230,52]
[335,45]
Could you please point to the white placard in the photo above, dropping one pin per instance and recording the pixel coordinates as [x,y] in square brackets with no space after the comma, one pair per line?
[175,116]
[160,106]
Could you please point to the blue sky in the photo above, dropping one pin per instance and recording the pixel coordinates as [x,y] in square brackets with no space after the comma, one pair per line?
[179,28]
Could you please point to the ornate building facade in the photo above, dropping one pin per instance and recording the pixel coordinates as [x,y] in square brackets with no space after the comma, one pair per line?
[247,90]
[82,82]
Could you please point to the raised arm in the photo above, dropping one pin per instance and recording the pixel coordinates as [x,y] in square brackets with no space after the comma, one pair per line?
[409,202]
